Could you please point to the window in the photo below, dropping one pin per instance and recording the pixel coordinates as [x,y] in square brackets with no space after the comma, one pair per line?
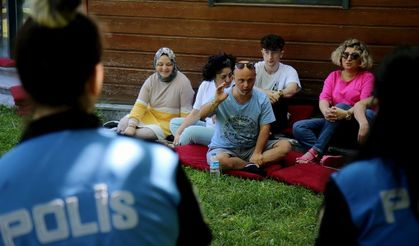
[4,36]
[13,13]
[332,3]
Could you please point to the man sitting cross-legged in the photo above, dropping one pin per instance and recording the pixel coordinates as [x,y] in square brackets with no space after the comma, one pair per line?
[244,115]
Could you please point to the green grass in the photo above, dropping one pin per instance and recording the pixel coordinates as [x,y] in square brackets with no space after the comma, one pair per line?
[245,212]
[10,128]
[239,212]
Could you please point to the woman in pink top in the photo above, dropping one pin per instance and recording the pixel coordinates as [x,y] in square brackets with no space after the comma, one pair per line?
[341,90]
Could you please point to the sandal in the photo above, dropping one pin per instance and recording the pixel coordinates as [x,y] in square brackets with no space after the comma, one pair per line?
[311,156]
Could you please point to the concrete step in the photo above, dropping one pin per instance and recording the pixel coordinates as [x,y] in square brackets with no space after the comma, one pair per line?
[8,79]
[110,111]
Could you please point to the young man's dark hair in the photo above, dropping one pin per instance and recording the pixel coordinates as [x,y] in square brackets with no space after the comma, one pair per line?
[272,42]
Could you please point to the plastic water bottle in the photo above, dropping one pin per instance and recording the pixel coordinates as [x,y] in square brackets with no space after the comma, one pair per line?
[214,166]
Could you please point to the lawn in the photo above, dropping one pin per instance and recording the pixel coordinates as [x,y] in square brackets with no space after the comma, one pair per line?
[239,212]
[10,128]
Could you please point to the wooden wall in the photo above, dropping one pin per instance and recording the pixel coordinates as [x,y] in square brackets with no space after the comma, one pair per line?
[135,30]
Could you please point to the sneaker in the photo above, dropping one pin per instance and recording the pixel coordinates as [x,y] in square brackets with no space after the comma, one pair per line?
[111,124]
[253,168]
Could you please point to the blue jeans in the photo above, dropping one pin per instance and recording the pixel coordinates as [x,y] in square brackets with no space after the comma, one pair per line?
[316,133]
[197,133]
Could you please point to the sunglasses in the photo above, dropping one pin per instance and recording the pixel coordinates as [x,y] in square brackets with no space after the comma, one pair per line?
[353,56]
[249,65]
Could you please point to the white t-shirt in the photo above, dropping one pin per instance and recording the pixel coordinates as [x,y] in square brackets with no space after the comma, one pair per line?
[206,93]
[278,80]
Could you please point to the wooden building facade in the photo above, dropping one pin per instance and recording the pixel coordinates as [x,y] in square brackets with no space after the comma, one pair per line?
[136,29]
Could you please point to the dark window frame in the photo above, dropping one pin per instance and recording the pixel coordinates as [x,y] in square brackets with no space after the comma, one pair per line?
[294,3]
[14,16]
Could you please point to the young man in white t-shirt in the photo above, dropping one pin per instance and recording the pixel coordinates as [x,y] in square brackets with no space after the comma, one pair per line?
[276,79]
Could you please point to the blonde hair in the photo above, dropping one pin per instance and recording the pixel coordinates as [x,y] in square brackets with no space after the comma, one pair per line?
[53,13]
[366,58]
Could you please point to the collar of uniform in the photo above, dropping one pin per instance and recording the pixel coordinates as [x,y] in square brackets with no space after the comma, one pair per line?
[72,119]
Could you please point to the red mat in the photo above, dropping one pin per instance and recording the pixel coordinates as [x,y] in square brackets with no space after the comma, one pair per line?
[296,113]
[20,97]
[194,155]
[6,62]
[311,176]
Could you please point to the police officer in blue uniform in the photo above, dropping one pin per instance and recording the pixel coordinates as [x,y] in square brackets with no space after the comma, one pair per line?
[71,182]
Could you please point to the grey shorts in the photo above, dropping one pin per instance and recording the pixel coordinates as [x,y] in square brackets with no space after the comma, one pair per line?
[242,153]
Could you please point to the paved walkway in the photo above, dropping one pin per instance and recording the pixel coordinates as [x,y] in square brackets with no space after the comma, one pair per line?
[8,78]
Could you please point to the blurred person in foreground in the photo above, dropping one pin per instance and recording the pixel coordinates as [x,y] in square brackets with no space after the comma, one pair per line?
[71,182]
[375,200]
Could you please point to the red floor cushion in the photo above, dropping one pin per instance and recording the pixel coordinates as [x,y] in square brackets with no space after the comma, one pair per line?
[311,176]
[297,112]
[6,62]
[21,99]
[193,155]
[18,93]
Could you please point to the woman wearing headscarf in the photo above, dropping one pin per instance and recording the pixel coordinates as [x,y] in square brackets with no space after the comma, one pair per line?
[166,94]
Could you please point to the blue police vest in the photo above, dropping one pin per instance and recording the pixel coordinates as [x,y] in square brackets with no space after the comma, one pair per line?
[379,204]
[88,187]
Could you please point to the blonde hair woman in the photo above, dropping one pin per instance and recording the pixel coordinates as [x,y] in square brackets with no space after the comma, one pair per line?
[341,90]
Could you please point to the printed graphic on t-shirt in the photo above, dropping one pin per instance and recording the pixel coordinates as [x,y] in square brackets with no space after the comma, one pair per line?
[275,87]
[240,130]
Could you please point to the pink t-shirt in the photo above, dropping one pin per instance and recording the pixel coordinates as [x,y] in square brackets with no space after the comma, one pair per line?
[335,90]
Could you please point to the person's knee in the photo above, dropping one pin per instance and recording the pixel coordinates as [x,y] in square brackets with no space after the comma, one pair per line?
[225,163]
[174,124]
[186,136]
[145,133]
[123,123]
[297,128]
[283,146]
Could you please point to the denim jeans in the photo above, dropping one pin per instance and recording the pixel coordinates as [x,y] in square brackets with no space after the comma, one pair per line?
[197,133]
[316,133]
